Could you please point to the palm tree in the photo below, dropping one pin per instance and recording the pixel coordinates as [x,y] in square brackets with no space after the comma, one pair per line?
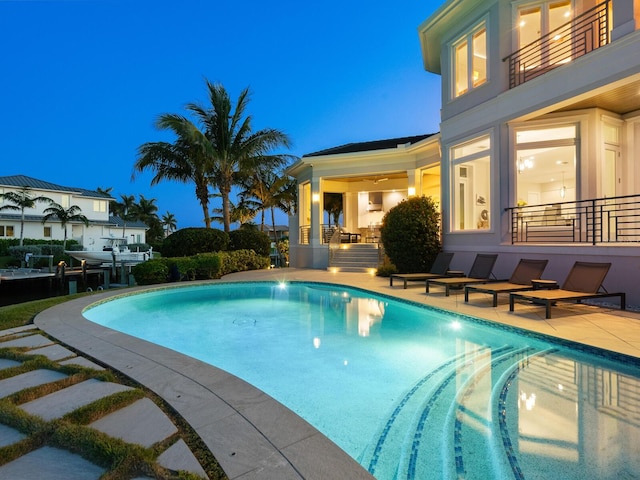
[64,216]
[145,211]
[270,190]
[184,161]
[21,200]
[333,206]
[232,147]
[126,209]
[170,223]
[242,213]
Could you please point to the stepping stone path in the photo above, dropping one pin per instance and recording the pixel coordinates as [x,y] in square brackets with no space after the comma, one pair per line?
[141,422]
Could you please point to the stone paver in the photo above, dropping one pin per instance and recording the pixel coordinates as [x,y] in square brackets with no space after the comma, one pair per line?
[82,362]
[6,363]
[31,341]
[152,425]
[58,404]
[179,457]
[9,435]
[34,378]
[53,352]
[49,463]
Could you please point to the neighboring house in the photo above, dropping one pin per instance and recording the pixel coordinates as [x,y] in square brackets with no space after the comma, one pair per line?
[94,206]
[539,141]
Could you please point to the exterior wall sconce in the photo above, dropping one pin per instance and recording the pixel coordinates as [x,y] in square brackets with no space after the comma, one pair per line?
[411,191]
[315,197]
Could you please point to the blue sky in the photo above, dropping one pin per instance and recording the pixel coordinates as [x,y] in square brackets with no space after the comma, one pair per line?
[82,81]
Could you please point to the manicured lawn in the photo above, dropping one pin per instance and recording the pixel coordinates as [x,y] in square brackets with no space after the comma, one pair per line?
[23,313]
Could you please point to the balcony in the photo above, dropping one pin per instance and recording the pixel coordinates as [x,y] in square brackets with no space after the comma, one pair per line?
[578,37]
[596,221]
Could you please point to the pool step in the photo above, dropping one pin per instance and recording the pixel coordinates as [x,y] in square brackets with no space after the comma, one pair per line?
[470,391]
[408,426]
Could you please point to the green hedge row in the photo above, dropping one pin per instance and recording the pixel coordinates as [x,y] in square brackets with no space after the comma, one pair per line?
[6,243]
[202,266]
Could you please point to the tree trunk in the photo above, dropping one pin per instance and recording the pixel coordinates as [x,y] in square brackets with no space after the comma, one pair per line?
[202,194]
[225,210]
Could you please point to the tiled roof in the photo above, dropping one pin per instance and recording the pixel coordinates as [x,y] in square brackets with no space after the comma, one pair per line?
[19,181]
[369,146]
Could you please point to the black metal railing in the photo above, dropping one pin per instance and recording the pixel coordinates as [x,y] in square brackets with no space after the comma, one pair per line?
[594,221]
[583,34]
[327,233]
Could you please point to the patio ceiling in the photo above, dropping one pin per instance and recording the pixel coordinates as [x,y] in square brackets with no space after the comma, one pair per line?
[375,179]
[621,100]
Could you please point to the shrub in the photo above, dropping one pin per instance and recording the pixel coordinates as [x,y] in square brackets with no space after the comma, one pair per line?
[242,260]
[20,252]
[207,266]
[250,239]
[387,268]
[410,234]
[191,241]
[186,266]
[151,272]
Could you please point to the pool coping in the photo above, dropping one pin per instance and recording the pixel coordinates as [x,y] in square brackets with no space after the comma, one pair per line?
[251,434]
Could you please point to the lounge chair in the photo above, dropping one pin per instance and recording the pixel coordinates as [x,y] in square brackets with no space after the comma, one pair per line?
[584,281]
[439,269]
[479,273]
[520,280]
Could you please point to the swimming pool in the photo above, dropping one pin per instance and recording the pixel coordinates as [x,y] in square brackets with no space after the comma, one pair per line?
[407,391]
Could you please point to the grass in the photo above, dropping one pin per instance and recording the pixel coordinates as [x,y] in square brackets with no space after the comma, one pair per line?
[12,316]
[120,459]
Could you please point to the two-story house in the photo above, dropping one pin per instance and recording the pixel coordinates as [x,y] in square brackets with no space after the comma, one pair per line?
[540,120]
[94,205]
[539,137]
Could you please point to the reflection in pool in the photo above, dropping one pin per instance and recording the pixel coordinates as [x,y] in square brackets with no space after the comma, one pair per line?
[410,392]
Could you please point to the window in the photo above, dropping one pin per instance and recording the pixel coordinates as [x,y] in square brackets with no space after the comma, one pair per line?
[65,201]
[536,21]
[545,165]
[46,232]
[470,61]
[100,206]
[6,230]
[471,185]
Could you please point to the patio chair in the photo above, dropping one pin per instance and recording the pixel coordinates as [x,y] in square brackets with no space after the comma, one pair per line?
[520,280]
[439,269]
[479,273]
[584,281]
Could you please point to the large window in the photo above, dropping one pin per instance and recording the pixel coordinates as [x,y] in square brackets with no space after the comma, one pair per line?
[470,61]
[471,185]
[537,20]
[546,165]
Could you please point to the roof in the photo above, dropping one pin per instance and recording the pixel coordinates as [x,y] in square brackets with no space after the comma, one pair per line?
[118,222]
[114,221]
[369,146]
[19,181]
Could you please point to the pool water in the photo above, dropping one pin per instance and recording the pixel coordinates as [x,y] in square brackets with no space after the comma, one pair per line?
[409,391]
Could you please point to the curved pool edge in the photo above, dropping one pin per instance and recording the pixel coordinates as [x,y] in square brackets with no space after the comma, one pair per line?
[249,433]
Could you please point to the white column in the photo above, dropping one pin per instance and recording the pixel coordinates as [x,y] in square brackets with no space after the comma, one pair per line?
[316,210]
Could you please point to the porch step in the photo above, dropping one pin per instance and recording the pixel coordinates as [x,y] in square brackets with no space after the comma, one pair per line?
[354,257]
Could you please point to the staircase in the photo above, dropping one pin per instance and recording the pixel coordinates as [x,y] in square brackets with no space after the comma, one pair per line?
[353,257]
